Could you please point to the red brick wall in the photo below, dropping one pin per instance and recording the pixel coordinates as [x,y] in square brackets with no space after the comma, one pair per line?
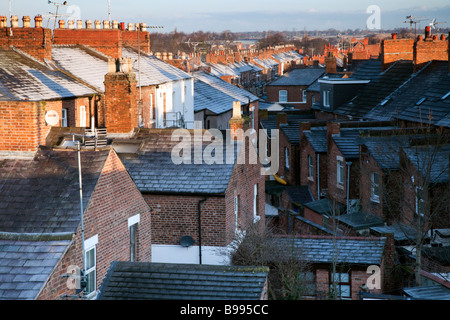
[36,42]
[430,49]
[307,150]
[291,175]
[114,200]
[23,126]
[396,49]
[368,167]
[294,96]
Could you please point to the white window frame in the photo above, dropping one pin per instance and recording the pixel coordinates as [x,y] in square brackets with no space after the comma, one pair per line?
[236,213]
[282,94]
[133,223]
[91,244]
[64,117]
[375,187]
[304,96]
[83,116]
[310,167]
[419,200]
[339,173]
[326,98]
[286,158]
[256,217]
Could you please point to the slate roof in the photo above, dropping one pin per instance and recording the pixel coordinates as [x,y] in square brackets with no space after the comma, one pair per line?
[154,171]
[356,250]
[401,232]
[367,70]
[348,140]
[42,195]
[24,78]
[431,161]
[270,123]
[237,93]
[433,292]
[26,265]
[299,77]
[377,90]
[317,137]
[84,63]
[360,220]
[325,206]
[299,195]
[432,83]
[91,66]
[161,281]
[216,95]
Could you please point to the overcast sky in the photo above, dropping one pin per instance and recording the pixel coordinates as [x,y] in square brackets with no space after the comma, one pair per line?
[241,15]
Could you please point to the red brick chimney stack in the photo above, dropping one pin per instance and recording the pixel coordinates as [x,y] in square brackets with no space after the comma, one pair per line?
[121,113]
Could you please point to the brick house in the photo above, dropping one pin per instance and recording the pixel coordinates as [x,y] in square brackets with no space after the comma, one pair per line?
[353,258]
[40,223]
[291,88]
[34,97]
[198,209]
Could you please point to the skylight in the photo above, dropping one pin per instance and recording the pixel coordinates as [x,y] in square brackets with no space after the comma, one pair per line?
[420,101]
[445,96]
[384,102]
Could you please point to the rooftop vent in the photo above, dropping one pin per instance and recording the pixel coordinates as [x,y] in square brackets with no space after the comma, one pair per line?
[418,103]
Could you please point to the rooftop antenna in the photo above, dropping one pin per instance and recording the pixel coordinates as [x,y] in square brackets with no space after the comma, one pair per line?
[413,20]
[433,24]
[109,10]
[56,15]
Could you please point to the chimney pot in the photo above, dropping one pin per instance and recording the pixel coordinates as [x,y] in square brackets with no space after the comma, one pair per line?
[61,24]
[143,26]
[14,22]
[394,35]
[137,26]
[106,24]
[3,23]
[115,24]
[88,24]
[26,21]
[97,24]
[443,37]
[419,37]
[38,21]
[130,26]
[427,32]
[70,24]
[79,24]
[122,26]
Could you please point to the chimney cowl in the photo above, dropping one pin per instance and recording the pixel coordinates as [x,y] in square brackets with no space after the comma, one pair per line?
[394,35]
[26,21]
[38,21]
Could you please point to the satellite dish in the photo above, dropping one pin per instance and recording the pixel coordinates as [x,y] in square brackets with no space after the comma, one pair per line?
[186,241]
[52,118]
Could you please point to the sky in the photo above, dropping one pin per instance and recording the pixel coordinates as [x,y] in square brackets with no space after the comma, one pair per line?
[242,16]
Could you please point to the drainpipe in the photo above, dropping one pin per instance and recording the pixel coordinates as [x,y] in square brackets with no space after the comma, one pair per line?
[318,179]
[81,209]
[200,230]
[348,183]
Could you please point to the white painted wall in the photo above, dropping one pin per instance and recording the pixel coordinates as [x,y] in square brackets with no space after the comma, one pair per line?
[179,254]
[179,98]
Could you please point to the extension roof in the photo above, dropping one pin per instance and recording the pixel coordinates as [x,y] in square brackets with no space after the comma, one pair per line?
[299,77]
[163,281]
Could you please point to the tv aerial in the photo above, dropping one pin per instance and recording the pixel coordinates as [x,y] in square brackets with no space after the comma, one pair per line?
[56,15]
[413,20]
[433,24]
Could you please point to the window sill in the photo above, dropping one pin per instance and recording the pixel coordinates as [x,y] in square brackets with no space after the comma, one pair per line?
[375,200]
[311,179]
[340,186]
[256,219]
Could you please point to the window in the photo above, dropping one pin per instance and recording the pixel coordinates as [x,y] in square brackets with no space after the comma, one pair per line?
[310,167]
[82,116]
[64,118]
[152,108]
[340,172]
[286,157]
[420,208]
[236,212]
[375,187]
[313,99]
[256,216]
[326,98]
[308,281]
[342,281]
[304,96]
[133,224]
[90,246]
[282,96]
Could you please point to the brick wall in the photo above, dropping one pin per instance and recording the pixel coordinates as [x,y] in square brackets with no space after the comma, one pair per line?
[36,42]
[291,174]
[23,126]
[114,200]
[432,48]
[396,49]
[294,96]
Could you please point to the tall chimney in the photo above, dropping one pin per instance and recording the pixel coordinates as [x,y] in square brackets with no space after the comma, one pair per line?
[3,22]
[427,32]
[14,22]
[26,21]
[236,122]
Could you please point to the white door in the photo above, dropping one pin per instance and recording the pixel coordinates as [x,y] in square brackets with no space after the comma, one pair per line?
[82,116]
